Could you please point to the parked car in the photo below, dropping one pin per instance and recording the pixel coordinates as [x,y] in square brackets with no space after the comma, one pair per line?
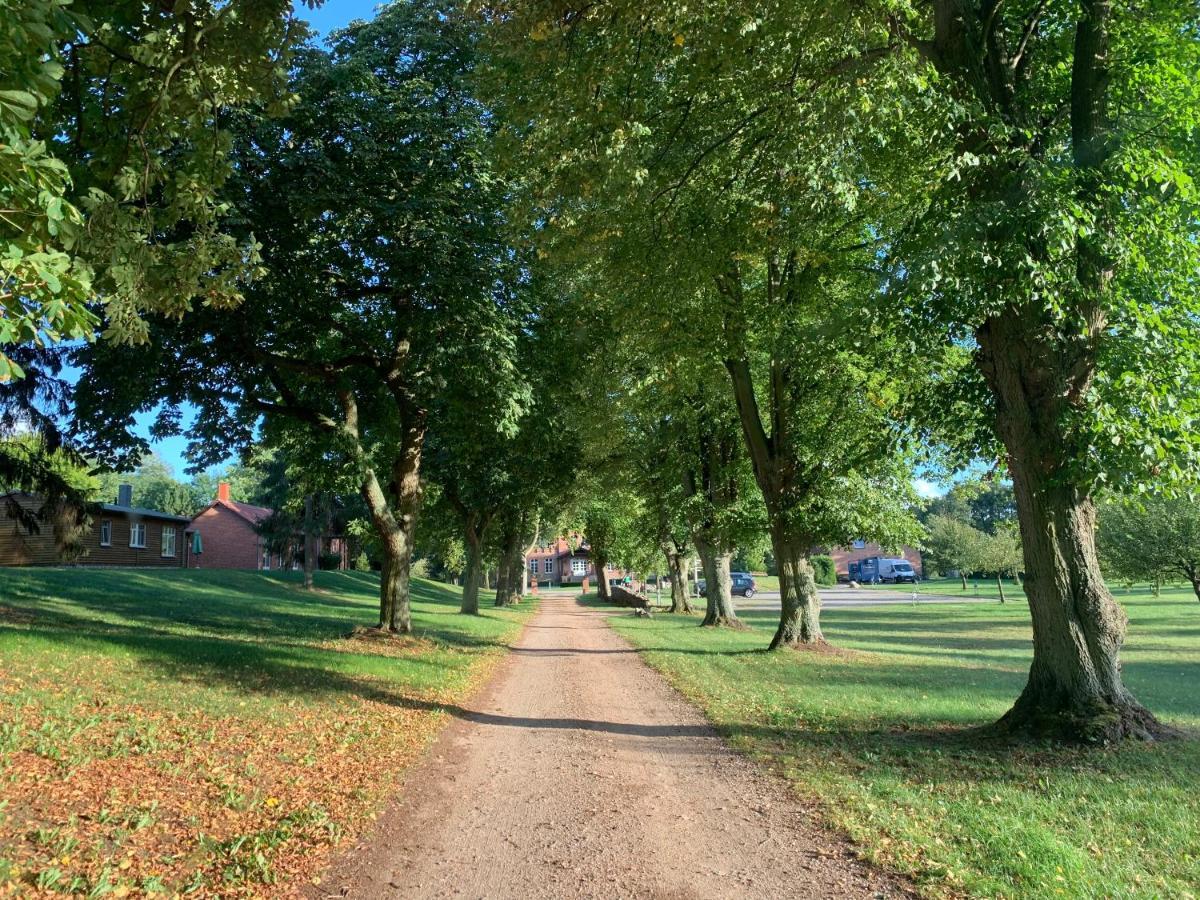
[743,584]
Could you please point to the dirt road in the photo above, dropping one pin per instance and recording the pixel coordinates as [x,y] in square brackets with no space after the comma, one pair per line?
[581,773]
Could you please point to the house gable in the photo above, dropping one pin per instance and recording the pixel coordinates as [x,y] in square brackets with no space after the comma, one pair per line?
[228,539]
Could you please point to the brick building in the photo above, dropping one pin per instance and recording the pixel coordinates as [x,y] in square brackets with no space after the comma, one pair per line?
[120,534]
[229,538]
[563,561]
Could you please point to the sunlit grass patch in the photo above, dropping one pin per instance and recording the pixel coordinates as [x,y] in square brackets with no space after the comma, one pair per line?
[882,737]
[210,731]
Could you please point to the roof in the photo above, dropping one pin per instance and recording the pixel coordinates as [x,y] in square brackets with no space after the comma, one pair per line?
[252,514]
[114,508]
[144,513]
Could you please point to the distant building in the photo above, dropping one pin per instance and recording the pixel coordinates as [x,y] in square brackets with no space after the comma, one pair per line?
[227,537]
[120,534]
[843,556]
[564,561]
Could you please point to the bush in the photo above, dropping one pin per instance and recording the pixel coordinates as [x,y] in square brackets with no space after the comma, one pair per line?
[361,563]
[329,562]
[419,568]
[824,570]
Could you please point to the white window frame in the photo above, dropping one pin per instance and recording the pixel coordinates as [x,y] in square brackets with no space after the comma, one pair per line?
[533,567]
[106,532]
[860,545]
[168,541]
[548,568]
[137,535]
[578,566]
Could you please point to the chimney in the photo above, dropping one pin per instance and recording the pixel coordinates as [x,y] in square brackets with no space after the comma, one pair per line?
[125,495]
[223,491]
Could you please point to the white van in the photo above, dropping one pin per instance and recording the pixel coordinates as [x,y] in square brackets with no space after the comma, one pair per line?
[895,571]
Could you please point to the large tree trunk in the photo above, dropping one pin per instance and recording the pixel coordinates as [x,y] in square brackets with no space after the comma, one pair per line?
[395,541]
[503,576]
[473,575]
[1075,691]
[600,563]
[395,614]
[718,586]
[800,604]
[310,554]
[519,571]
[679,589]
[512,566]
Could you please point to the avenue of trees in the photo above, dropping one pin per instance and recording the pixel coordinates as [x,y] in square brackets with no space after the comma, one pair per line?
[671,276]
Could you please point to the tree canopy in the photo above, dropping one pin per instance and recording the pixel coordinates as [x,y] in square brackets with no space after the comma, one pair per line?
[114,147]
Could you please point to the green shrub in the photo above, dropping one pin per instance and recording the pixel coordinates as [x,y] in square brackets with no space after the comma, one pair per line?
[329,562]
[420,568]
[361,563]
[824,570]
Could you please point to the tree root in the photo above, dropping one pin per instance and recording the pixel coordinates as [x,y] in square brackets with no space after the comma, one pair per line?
[1094,724]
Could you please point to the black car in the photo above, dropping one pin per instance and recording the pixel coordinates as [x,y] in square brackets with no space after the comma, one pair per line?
[743,584]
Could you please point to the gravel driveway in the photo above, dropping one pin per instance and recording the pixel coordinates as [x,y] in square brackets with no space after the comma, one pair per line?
[581,773]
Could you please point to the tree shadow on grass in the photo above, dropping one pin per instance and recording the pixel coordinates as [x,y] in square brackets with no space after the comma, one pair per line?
[935,752]
[257,668]
[249,604]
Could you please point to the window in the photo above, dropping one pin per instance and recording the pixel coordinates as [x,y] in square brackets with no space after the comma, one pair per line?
[106,532]
[860,545]
[533,566]
[578,566]
[549,567]
[266,560]
[168,540]
[137,535]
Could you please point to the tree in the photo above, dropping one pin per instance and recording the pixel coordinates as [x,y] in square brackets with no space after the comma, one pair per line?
[719,500]
[604,518]
[154,487]
[1060,241]
[471,464]
[659,171]
[1048,151]
[1151,538]
[387,273]
[954,545]
[113,151]
[36,457]
[31,463]
[1001,555]
[985,503]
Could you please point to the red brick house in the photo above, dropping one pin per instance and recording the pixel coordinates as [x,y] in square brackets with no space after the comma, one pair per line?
[227,536]
[843,556]
[120,534]
[563,561]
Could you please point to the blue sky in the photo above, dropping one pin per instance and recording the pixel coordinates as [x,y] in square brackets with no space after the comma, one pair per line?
[336,13]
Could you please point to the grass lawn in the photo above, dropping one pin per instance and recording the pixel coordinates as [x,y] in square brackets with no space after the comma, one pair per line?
[166,732]
[876,734]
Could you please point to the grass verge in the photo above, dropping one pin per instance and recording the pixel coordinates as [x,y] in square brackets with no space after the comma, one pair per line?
[878,736]
[211,732]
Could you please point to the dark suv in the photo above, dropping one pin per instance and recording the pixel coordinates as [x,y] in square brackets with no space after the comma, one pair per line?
[742,584]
